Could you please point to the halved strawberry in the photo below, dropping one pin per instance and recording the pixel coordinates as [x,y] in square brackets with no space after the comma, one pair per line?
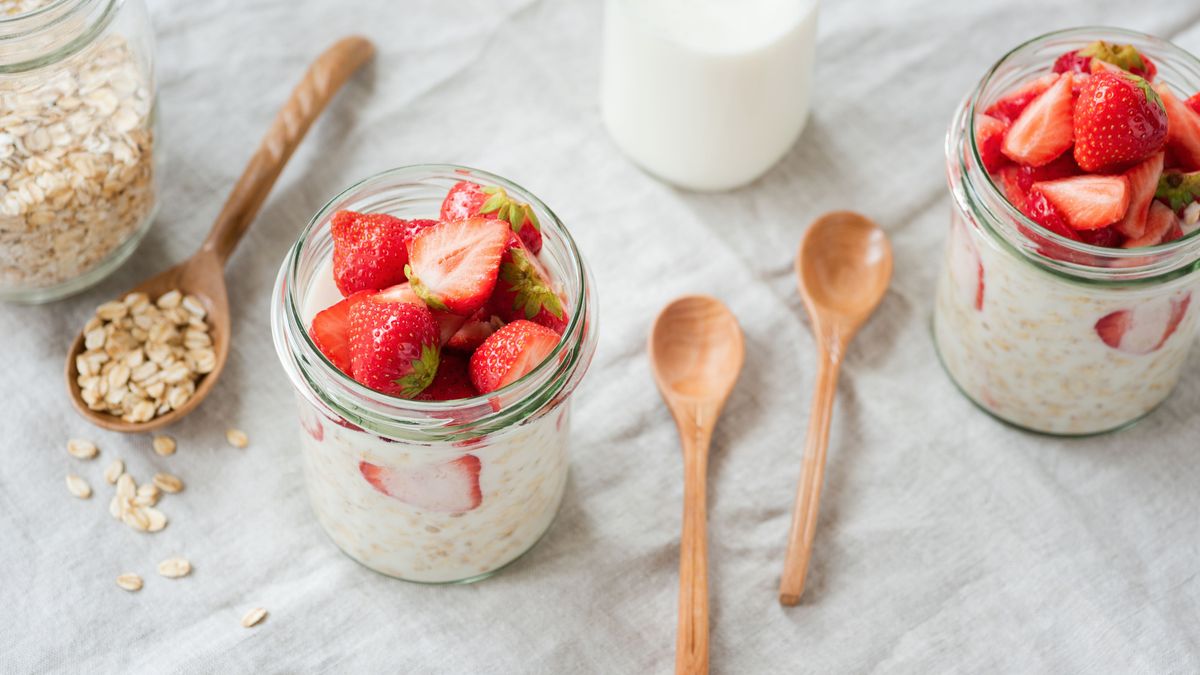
[453,265]
[469,200]
[449,487]
[1119,119]
[330,331]
[1146,327]
[1010,107]
[1044,129]
[448,324]
[524,290]
[452,381]
[1183,129]
[989,138]
[510,354]
[1087,202]
[1160,222]
[477,328]
[368,250]
[393,346]
[1143,182]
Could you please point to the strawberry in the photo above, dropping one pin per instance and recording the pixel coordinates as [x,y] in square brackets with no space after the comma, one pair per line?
[1017,182]
[1119,119]
[1125,57]
[449,487]
[1193,102]
[477,329]
[452,381]
[1043,131]
[510,354]
[393,346]
[368,250]
[453,265]
[1178,189]
[1146,327]
[330,331]
[448,324]
[1108,237]
[1143,182]
[468,200]
[524,290]
[1009,108]
[1183,130]
[1160,222]
[1087,202]
[989,138]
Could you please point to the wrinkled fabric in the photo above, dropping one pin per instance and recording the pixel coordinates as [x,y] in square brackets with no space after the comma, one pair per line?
[947,541]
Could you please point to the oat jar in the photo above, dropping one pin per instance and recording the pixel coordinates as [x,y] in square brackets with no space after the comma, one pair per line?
[77,142]
[434,492]
[1043,331]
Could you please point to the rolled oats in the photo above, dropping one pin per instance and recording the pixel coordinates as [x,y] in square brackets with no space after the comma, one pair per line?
[237,438]
[114,471]
[164,446]
[81,449]
[78,486]
[173,568]
[253,617]
[130,582]
[168,483]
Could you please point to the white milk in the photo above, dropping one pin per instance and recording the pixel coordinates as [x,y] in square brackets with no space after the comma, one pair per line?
[707,94]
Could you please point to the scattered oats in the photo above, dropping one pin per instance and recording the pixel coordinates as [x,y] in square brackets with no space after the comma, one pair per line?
[111,311]
[78,486]
[168,483]
[130,582]
[114,507]
[164,445]
[126,488]
[136,518]
[254,617]
[194,307]
[173,568]
[147,495]
[169,300]
[81,449]
[237,438]
[114,471]
[156,518]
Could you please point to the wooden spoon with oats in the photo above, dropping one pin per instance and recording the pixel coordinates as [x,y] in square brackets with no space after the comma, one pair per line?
[200,279]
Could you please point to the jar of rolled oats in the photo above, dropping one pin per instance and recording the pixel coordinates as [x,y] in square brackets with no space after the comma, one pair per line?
[77,142]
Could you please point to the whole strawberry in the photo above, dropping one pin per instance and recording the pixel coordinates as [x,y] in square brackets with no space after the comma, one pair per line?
[524,290]
[470,200]
[1119,120]
[393,346]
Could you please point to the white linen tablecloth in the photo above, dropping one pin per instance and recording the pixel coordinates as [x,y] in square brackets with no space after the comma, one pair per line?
[948,542]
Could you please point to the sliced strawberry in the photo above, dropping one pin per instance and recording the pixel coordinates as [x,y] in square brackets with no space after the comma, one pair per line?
[1193,102]
[477,328]
[368,250]
[393,346]
[1143,182]
[1146,327]
[469,200]
[510,353]
[1178,189]
[1010,107]
[1087,202]
[989,138]
[1107,237]
[524,290]
[449,487]
[452,382]
[1072,62]
[311,423]
[453,265]
[1160,223]
[330,331]
[1119,119]
[1044,129]
[448,324]
[1183,129]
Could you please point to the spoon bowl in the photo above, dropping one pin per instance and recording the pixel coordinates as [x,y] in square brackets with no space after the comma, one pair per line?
[203,275]
[696,349]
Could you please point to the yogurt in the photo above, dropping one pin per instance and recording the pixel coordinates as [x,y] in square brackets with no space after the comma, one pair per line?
[707,94]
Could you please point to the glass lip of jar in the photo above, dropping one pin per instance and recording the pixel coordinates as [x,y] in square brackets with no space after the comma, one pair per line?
[538,391]
[1158,263]
[21,27]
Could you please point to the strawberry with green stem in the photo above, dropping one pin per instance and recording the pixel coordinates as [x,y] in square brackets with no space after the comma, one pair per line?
[524,290]
[1119,120]
[470,200]
[394,346]
[453,265]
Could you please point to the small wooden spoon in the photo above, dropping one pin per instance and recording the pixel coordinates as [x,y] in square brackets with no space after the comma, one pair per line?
[844,266]
[696,350]
[203,274]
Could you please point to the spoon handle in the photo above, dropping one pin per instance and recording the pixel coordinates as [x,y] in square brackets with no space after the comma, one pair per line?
[808,495]
[323,79]
[691,644]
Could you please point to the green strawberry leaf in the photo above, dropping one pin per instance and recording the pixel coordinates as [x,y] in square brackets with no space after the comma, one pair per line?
[1178,189]
[423,371]
[1147,91]
[1125,57]
[532,294]
[495,203]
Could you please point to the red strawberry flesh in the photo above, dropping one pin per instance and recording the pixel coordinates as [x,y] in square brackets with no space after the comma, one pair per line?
[453,266]
[449,487]
[1044,129]
[453,381]
[1087,202]
[330,331]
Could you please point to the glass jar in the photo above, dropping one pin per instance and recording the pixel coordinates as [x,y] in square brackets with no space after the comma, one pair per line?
[1047,333]
[434,492]
[77,142]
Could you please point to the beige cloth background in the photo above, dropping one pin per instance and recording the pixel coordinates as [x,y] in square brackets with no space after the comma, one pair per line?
[947,543]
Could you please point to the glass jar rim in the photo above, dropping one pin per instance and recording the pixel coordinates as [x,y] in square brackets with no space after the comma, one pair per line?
[1158,263]
[23,27]
[549,382]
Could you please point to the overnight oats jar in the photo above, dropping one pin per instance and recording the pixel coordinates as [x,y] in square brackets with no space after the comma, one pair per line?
[77,142]
[1041,330]
[430,491]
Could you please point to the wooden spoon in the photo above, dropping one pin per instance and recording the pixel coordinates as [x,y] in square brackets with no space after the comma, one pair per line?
[203,274]
[696,350]
[844,266]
